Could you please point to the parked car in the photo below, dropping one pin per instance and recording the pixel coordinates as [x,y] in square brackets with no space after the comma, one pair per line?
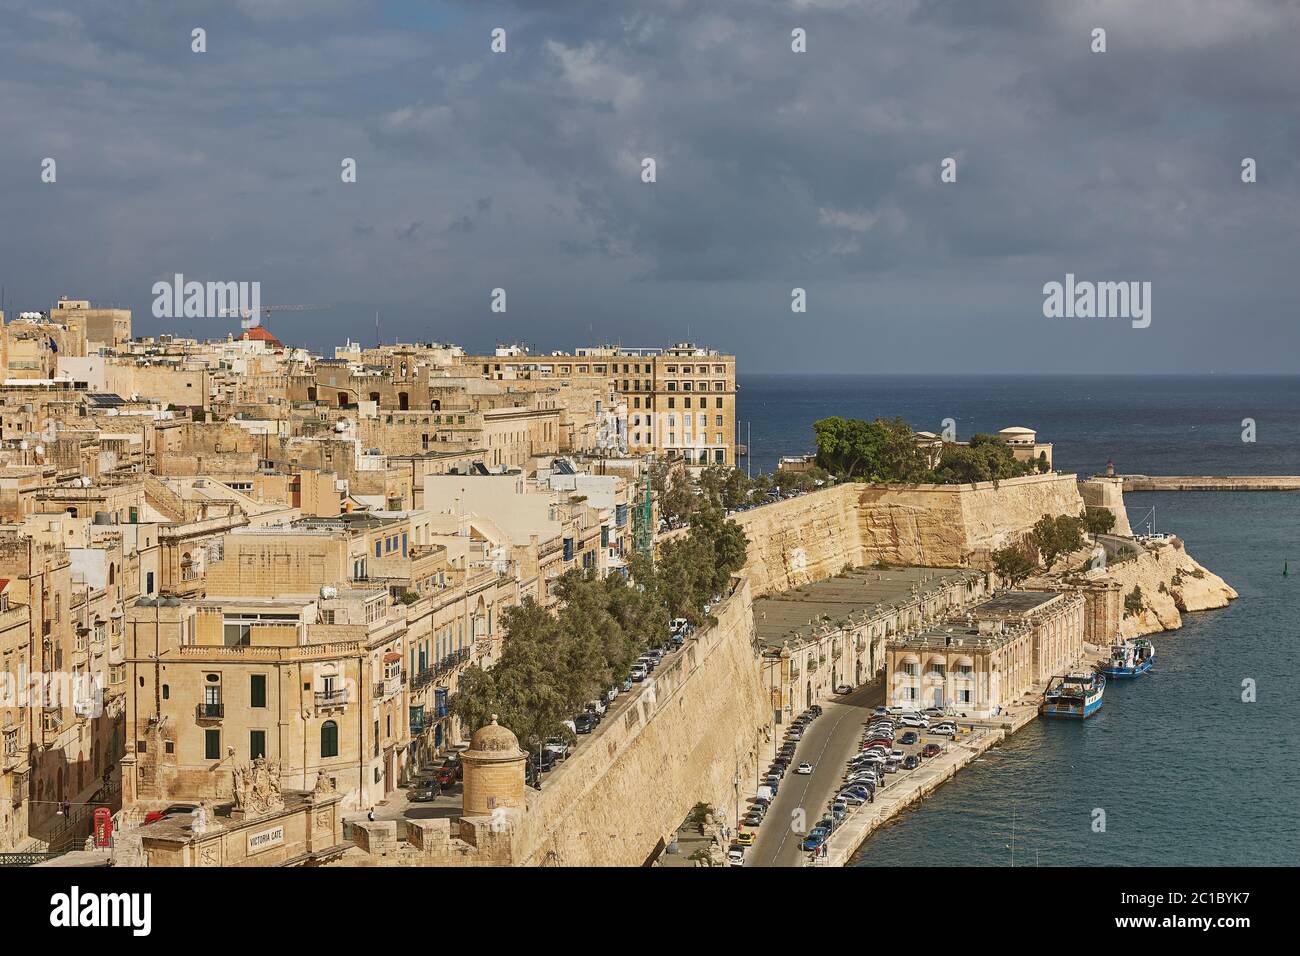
[843,689]
[908,738]
[942,730]
[745,838]
[804,768]
[584,723]
[736,855]
[446,775]
[639,672]
[598,707]
[627,682]
[545,762]
[880,711]
[910,762]
[913,720]
[678,624]
[554,745]
[426,794]
[931,750]
[814,840]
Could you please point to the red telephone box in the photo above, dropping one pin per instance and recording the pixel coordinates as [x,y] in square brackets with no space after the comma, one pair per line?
[103,826]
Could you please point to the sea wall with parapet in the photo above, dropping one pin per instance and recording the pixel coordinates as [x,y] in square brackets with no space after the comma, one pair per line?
[814,536]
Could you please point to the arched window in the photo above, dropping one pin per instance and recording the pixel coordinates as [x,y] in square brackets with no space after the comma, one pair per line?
[329,739]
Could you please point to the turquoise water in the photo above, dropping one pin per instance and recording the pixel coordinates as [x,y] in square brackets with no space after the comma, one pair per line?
[1185,771]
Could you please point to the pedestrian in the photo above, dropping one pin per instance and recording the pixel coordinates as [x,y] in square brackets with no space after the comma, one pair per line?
[370,814]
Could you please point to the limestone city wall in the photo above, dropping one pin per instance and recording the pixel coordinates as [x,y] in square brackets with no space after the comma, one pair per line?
[690,731]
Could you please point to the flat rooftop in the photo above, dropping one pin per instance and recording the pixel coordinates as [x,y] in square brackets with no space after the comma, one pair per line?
[1010,603]
[863,592]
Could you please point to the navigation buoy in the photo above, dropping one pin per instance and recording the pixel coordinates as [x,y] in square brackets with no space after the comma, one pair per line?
[1285,573]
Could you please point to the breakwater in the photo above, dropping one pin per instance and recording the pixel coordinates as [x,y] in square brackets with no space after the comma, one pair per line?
[1211,482]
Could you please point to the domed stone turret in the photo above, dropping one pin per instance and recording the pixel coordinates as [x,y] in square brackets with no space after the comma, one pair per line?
[494,771]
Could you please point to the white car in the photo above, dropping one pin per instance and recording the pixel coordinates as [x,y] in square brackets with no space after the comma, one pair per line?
[677,624]
[736,856]
[913,720]
[804,768]
[942,730]
[843,689]
[598,706]
[639,672]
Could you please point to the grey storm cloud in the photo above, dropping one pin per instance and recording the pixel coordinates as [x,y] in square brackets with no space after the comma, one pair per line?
[775,169]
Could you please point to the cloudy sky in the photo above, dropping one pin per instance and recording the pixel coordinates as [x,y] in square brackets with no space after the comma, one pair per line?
[775,170]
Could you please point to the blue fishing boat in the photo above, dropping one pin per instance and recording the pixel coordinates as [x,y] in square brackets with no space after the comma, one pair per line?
[1074,696]
[1131,658]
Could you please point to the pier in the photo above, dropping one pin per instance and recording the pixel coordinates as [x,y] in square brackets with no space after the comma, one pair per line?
[1211,482]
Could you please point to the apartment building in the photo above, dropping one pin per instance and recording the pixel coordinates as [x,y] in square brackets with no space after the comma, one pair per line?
[680,401]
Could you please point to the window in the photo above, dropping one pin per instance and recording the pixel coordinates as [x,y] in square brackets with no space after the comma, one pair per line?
[212,744]
[717,402]
[257,690]
[329,739]
[256,744]
[148,587]
[378,546]
[963,696]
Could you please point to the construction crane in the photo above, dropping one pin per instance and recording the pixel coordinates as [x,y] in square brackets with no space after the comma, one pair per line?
[264,313]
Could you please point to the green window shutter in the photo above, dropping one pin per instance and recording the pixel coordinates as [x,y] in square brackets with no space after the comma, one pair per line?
[329,739]
[256,744]
[212,744]
[257,690]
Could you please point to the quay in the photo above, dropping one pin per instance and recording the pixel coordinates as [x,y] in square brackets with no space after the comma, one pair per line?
[910,788]
[841,728]
[1211,482]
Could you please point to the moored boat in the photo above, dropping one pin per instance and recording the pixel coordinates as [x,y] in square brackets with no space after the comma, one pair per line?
[1130,658]
[1073,696]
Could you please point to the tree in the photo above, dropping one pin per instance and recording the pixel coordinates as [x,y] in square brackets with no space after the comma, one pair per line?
[984,458]
[1098,520]
[1013,564]
[1054,536]
[1133,600]
[879,450]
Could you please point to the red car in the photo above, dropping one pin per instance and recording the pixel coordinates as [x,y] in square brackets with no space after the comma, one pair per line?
[931,750]
[878,742]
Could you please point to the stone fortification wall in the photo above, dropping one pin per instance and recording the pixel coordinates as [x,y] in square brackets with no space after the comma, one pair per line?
[814,536]
[688,734]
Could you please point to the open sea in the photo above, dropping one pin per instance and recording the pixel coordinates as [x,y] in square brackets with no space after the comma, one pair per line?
[1186,773]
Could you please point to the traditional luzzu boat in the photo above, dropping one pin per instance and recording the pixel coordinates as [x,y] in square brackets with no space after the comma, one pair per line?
[1131,658]
[1074,696]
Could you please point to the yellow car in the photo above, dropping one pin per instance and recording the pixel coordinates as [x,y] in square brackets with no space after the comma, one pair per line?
[745,838]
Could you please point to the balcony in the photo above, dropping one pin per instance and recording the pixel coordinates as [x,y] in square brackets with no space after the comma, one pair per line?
[332,699]
[390,686]
[210,711]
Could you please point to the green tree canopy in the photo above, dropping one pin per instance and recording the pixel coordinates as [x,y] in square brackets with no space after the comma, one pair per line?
[879,450]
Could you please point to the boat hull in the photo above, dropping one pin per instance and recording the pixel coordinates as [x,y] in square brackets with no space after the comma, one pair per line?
[1069,711]
[1126,673]
[1074,706]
